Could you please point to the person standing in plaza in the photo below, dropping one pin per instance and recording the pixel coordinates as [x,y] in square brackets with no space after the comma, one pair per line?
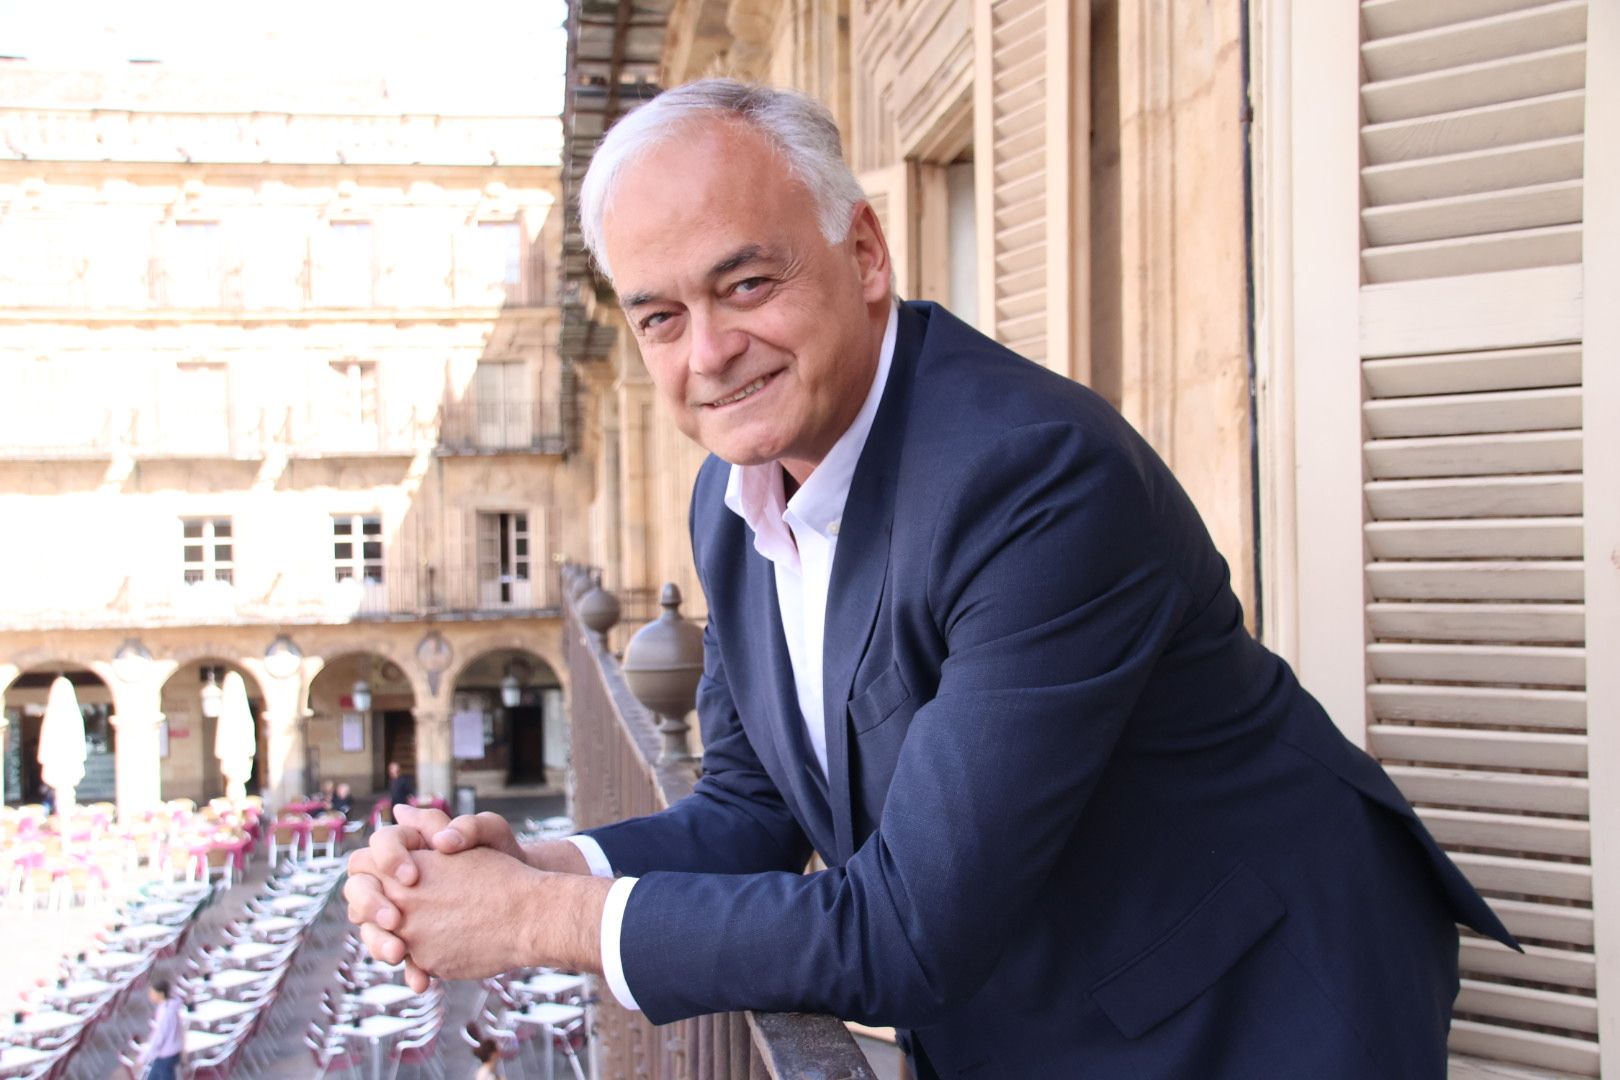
[160,1056]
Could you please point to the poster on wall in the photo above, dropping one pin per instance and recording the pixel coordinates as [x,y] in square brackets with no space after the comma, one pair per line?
[353,737]
[467,734]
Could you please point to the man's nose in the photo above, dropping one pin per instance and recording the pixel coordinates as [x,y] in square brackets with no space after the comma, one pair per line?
[714,344]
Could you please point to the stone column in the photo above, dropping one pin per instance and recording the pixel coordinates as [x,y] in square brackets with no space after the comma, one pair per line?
[434,771]
[138,761]
[284,772]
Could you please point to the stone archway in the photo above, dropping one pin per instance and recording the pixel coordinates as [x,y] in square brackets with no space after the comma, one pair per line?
[22,702]
[508,702]
[348,744]
[186,742]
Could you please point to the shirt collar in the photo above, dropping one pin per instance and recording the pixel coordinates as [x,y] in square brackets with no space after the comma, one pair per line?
[755,492]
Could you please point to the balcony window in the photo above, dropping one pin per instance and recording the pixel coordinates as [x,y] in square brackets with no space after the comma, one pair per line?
[207,552]
[357,548]
[503,560]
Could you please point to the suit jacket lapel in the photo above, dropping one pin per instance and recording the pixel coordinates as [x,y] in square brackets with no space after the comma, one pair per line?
[860,568]
[808,788]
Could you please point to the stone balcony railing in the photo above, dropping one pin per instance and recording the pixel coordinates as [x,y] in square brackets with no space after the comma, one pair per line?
[617,774]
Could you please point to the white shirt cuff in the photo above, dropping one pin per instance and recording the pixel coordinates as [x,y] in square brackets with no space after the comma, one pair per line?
[595,857]
[612,923]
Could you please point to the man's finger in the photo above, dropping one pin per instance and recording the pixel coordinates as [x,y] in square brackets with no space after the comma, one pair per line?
[474,830]
[415,977]
[390,850]
[367,904]
[424,819]
[381,944]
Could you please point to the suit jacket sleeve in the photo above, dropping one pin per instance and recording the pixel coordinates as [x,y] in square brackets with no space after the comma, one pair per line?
[1055,604]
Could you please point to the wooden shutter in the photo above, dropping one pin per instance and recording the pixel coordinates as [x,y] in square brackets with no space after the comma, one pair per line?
[1471,360]
[1031,139]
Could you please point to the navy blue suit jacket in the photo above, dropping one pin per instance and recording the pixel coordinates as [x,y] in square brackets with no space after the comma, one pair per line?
[1078,822]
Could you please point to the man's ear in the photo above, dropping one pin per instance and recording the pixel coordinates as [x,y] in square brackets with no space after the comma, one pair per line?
[871,252]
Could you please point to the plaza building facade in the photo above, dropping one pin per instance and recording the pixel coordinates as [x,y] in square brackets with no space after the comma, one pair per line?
[1351,269]
[281,396]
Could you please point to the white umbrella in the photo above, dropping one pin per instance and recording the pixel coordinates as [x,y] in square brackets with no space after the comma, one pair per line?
[61,743]
[234,744]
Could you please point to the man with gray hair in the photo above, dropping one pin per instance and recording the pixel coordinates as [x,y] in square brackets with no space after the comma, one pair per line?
[970,642]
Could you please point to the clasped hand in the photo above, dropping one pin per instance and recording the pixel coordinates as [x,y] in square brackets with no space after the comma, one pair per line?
[446,897]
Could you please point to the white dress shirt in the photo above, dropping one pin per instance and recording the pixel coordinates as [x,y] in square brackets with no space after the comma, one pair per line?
[800,537]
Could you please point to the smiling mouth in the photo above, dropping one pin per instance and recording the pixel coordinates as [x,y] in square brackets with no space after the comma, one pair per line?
[745,393]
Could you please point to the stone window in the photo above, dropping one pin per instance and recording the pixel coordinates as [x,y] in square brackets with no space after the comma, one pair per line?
[357,548]
[207,553]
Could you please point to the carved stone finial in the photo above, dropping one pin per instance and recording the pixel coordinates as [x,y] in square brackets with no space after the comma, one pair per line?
[663,664]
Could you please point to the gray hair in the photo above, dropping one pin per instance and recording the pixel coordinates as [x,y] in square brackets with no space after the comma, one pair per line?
[796,125]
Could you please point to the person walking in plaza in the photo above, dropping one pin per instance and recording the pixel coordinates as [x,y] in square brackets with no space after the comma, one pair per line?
[969,641]
[166,1039]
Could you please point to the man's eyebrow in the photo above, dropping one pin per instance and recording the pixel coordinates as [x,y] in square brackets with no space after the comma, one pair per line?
[741,257]
[737,259]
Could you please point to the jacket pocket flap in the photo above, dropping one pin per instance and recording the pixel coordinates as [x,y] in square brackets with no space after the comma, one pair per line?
[878,701]
[1225,925]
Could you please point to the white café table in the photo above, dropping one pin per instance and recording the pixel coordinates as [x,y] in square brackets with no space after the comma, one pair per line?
[162,911]
[305,882]
[14,1059]
[216,1010]
[384,995]
[273,925]
[251,952]
[44,1022]
[285,905]
[178,891]
[113,960]
[376,1029]
[553,985]
[198,1041]
[233,979]
[549,1016]
[143,933]
[77,990]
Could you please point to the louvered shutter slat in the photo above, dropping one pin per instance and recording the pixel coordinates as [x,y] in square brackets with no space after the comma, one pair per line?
[1474,41]
[1529,538]
[1475,455]
[1550,71]
[1485,747]
[1522,706]
[1525,120]
[1506,369]
[1484,829]
[1479,621]
[1560,924]
[1569,1011]
[1481,789]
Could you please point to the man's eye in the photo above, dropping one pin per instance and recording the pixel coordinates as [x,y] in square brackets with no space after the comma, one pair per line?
[654,320]
[749,285]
